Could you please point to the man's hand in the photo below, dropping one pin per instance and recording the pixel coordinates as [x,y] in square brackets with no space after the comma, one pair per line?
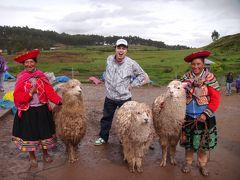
[130,87]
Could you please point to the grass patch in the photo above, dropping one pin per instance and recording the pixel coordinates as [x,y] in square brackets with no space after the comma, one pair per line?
[160,64]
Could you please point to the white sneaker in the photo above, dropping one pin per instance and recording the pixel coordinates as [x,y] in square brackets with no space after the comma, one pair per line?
[99,142]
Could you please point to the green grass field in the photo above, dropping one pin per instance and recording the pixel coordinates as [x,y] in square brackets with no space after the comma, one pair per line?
[160,64]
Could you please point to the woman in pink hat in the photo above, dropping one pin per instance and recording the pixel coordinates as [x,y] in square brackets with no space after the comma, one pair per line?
[199,132]
[33,125]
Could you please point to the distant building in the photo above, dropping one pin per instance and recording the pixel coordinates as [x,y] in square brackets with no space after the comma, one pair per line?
[208,63]
[105,43]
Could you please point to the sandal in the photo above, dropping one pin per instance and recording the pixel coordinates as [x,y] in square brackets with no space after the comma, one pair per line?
[204,171]
[33,163]
[47,159]
[186,168]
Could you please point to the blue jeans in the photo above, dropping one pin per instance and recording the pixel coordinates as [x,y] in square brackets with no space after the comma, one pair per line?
[110,107]
[229,88]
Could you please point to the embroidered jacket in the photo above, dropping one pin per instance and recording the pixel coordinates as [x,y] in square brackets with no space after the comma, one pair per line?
[203,89]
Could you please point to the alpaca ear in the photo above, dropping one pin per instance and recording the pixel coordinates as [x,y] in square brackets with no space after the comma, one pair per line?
[60,87]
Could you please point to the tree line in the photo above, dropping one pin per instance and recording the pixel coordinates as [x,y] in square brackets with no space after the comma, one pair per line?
[14,39]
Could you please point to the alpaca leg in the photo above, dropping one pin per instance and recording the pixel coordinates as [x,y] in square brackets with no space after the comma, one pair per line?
[125,152]
[75,153]
[131,165]
[67,146]
[164,142]
[71,153]
[139,164]
[173,145]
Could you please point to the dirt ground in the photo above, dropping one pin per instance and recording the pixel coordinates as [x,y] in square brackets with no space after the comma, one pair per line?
[106,162]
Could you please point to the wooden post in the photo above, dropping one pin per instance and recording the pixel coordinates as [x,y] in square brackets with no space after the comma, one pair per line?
[72,73]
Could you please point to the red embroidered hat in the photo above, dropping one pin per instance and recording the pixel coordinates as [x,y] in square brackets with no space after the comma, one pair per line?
[199,54]
[27,55]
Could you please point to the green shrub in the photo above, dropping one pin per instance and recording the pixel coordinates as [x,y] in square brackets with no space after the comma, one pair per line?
[168,70]
[216,68]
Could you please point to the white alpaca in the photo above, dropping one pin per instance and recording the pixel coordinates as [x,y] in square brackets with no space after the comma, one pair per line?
[168,116]
[135,131]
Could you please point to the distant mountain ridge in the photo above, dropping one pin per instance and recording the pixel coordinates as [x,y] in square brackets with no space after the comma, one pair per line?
[20,38]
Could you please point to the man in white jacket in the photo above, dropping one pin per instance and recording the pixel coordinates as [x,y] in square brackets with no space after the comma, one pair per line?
[118,82]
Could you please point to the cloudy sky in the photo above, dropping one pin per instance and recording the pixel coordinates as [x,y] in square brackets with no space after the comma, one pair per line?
[184,22]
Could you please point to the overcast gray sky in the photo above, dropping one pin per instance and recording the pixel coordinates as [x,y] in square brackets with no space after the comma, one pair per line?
[184,22]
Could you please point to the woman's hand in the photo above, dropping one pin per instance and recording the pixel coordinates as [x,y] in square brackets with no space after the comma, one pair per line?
[202,118]
[60,103]
[33,90]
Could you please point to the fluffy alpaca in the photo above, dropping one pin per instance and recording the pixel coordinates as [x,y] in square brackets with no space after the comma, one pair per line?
[168,116]
[70,118]
[135,130]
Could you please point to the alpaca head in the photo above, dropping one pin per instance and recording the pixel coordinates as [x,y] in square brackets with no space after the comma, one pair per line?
[142,115]
[175,89]
[72,87]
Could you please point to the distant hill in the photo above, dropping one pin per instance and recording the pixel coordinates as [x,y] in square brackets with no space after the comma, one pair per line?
[15,39]
[226,55]
[226,44]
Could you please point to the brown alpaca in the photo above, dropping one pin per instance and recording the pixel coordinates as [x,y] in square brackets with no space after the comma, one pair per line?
[70,118]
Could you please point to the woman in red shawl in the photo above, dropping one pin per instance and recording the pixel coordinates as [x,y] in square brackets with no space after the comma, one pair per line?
[199,133]
[33,125]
